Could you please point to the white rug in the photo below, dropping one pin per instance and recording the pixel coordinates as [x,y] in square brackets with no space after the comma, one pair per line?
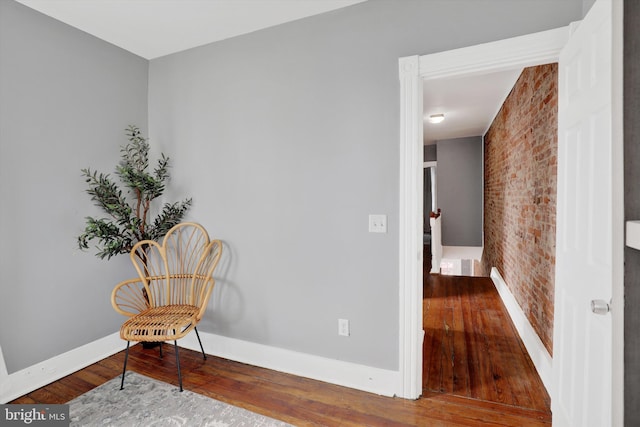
[148,402]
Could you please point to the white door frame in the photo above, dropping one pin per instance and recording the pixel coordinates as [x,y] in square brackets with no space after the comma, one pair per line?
[436,235]
[617,126]
[434,192]
[518,52]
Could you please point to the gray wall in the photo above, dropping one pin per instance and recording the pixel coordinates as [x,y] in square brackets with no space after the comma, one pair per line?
[632,211]
[460,190]
[65,98]
[291,134]
[430,153]
[287,138]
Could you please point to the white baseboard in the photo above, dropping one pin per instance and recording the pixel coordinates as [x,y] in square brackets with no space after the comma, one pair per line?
[462,252]
[26,380]
[4,377]
[3,367]
[536,349]
[366,378]
[374,380]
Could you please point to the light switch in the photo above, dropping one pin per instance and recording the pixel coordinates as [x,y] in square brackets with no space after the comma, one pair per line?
[377,223]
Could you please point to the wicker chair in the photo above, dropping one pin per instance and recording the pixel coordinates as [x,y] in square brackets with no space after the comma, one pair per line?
[171,294]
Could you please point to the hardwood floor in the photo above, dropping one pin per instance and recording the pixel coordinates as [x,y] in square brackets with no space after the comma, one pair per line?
[475,374]
[471,348]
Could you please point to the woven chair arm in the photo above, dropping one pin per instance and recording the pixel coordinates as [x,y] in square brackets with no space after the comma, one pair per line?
[129,297]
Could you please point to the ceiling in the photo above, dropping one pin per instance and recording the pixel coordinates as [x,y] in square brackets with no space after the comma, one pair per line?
[155,28]
[469,104]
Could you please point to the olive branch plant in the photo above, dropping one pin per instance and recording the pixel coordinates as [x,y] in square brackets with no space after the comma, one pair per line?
[129,212]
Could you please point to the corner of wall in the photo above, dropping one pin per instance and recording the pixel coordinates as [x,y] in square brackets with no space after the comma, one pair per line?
[33,377]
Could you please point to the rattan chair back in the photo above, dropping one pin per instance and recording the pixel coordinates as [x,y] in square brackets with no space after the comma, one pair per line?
[178,271]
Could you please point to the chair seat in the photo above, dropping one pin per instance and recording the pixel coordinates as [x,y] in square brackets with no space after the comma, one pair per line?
[168,322]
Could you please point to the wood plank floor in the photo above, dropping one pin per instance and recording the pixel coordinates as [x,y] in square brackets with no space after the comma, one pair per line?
[296,400]
[472,349]
[476,374]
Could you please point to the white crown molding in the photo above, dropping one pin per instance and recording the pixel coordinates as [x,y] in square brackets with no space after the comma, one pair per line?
[541,48]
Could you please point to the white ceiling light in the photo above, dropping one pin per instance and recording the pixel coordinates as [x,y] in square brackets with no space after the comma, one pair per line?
[436,118]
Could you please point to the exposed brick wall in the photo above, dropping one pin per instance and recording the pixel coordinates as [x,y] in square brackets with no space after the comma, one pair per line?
[520,195]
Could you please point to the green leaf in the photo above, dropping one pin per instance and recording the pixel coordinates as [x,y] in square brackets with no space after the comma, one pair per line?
[128,221]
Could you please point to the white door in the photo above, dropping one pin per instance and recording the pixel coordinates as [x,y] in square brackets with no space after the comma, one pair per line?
[587,239]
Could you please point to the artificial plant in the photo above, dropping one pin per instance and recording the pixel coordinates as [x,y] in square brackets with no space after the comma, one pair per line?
[129,212]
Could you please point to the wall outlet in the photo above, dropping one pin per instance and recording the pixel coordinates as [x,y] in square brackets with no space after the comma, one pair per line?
[343,327]
[377,223]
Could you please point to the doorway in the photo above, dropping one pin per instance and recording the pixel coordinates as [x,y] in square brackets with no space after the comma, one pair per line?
[604,24]
[503,55]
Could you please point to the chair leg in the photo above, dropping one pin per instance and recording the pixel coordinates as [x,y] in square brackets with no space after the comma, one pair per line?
[201,347]
[124,368]
[178,364]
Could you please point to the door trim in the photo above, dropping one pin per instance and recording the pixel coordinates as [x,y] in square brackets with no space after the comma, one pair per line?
[518,52]
[617,126]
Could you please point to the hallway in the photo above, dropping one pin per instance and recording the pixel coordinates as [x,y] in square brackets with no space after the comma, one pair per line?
[472,352]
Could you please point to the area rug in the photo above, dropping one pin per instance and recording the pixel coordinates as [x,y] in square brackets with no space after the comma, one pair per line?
[148,402]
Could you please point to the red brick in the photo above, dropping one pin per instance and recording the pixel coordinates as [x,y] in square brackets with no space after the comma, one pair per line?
[520,195]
